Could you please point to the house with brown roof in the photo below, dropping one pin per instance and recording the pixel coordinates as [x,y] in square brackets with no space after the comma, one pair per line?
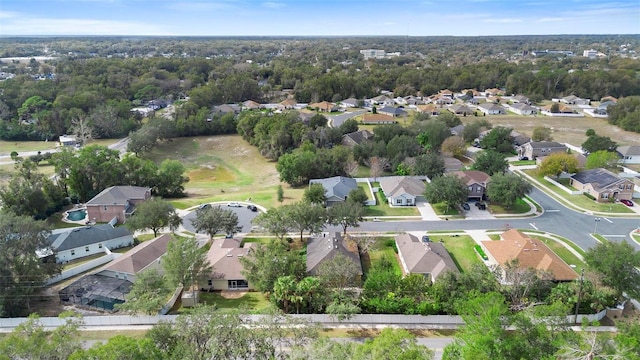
[402,190]
[477,182]
[251,105]
[530,253]
[356,137]
[603,185]
[116,202]
[378,119]
[324,106]
[494,92]
[562,110]
[430,109]
[288,104]
[534,149]
[146,255]
[224,256]
[425,258]
[324,248]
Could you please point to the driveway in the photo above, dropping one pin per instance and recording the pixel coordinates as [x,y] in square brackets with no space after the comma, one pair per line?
[245,216]
[474,213]
[338,120]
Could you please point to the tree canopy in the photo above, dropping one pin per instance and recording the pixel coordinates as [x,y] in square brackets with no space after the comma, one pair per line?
[154,214]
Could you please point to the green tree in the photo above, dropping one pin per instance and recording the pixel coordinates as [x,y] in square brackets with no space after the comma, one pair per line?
[274,221]
[186,263]
[171,179]
[472,131]
[557,163]
[555,108]
[357,196]
[280,194]
[154,214]
[143,140]
[616,263]
[266,263]
[303,217]
[94,169]
[506,189]
[315,194]
[448,189]
[434,133]
[346,214]
[430,164]
[454,146]
[602,159]
[498,139]
[393,344]
[22,272]
[450,119]
[215,219]
[121,347]
[541,133]
[148,294]
[597,143]
[491,162]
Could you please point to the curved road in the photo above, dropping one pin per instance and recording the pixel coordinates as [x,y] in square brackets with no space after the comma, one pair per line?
[338,120]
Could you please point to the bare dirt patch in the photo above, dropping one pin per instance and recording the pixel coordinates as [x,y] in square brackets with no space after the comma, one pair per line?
[232,294]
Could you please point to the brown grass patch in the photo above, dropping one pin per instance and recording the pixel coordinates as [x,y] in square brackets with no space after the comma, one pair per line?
[232,294]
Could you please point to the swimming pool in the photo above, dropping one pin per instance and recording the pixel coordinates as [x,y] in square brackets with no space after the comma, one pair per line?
[76,215]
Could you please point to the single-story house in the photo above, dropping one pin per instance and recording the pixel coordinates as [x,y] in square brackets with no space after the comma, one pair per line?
[519,139]
[491,109]
[144,256]
[494,99]
[603,185]
[324,248]
[356,138]
[227,109]
[349,103]
[457,130]
[429,259]
[534,149]
[629,154]
[452,164]
[603,108]
[520,99]
[68,140]
[392,111]
[288,104]
[430,109]
[460,109]
[574,100]
[377,119]
[530,253]
[336,188]
[446,93]
[324,106]
[523,109]
[251,105]
[224,256]
[402,190]
[494,92]
[76,243]
[116,202]
[442,100]
[382,100]
[608,98]
[477,182]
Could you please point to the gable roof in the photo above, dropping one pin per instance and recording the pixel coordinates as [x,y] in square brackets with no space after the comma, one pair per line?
[140,256]
[430,108]
[545,145]
[522,106]
[627,150]
[321,249]
[86,235]
[359,136]
[471,177]
[397,185]
[337,186]
[598,178]
[531,253]
[491,106]
[224,256]
[460,108]
[521,98]
[452,164]
[350,101]
[325,105]
[118,195]
[392,110]
[250,104]
[457,130]
[424,257]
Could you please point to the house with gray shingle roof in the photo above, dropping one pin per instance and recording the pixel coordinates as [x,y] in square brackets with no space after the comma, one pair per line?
[392,111]
[603,185]
[336,188]
[84,241]
[402,190]
[629,154]
[324,248]
[425,258]
[535,149]
[224,257]
[145,256]
[491,109]
[356,138]
[116,202]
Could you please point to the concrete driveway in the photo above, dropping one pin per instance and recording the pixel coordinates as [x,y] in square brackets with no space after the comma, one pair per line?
[474,213]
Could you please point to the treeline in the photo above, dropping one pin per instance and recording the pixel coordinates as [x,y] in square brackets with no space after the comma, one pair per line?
[626,113]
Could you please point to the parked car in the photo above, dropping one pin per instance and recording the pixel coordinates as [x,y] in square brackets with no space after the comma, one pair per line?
[252,207]
[627,202]
[523,158]
[466,206]
[234,204]
[425,238]
[480,205]
[204,206]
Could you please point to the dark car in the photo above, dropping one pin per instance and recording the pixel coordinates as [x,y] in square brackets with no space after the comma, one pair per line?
[425,238]
[466,206]
[252,207]
[204,206]
[480,205]
[524,158]
[627,202]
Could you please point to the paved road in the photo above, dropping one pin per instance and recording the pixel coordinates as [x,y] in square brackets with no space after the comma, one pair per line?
[245,216]
[338,120]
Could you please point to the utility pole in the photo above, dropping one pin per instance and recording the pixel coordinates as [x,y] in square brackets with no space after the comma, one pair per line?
[575,320]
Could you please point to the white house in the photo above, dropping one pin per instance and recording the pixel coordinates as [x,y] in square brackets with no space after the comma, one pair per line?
[402,190]
[629,154]
[491,109]
[522,109]
[84,241]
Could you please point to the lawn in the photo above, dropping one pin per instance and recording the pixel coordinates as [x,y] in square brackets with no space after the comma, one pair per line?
[522,162]
[223,168]
[253,302]
[580,200]
[520,207]
[383,209]
[385,247]
[365,187]
[564,254]
[76,262]
[461,250]
[441,209]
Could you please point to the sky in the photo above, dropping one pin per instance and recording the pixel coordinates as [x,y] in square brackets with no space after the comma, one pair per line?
[318,17]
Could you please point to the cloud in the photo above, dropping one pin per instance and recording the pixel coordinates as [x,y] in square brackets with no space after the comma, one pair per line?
[549,19]
[200,6]
[504,21]
[273,5]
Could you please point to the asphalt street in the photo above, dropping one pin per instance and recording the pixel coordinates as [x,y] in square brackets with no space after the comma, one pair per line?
[337,120]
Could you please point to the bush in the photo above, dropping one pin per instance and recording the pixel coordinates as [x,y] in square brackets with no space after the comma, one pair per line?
[481,252]
[589,196]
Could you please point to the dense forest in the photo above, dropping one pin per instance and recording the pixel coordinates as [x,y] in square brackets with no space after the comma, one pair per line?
[96,81]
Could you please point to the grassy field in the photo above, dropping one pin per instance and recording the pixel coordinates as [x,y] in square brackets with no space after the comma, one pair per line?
[222,168]
[461,250]
[441,209]
[385,246]
[6,147]
[365,188]
[254,302]
[564,254]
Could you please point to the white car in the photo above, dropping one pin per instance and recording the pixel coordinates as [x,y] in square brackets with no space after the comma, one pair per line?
[234,204]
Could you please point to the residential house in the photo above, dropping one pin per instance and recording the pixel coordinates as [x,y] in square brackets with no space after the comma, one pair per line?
[493,99]
[429,259]
[76,243]
[411,100]
[378,119]
[494,92]
[430,109]
[146,255]
[519,139]
[530,254]
[356,138]
[477,182]
[116,202]
[603,108]
[574,100]
[336,188]
[452,164]
[442,100]
[608,98]
[603,185]
[324,106]
[534,149]
[520,99]
[227,109]
[224,256]
[382,100]
[68,140]
[288,104]
[491,109]
[402,190]
[324,248]
[522,108]
[96,291]
[457,130]
[562,110]
[392,111]
[446,93]
[349,103]
[629,154]
[251,105]
[460,109]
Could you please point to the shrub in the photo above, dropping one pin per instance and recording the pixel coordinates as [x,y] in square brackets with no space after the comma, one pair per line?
[589,196]
[481,252]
